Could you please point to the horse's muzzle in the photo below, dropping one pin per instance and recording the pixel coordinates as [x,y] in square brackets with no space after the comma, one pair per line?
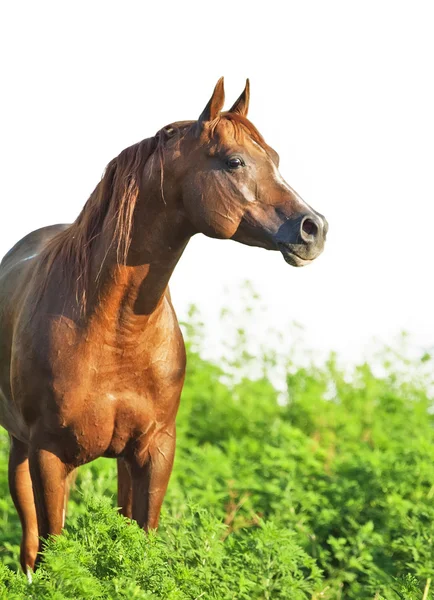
[301,240]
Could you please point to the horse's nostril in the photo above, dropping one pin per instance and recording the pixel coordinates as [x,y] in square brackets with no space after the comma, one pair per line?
[309,229]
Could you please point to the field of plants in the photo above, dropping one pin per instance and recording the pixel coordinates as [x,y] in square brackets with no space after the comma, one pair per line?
[324,491]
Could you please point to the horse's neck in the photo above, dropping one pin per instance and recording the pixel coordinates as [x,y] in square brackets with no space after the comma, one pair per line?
[128,295]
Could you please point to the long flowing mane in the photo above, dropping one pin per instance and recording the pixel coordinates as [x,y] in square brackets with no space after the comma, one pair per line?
[112,204]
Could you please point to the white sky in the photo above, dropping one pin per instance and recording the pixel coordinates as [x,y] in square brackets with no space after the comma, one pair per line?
[342,90]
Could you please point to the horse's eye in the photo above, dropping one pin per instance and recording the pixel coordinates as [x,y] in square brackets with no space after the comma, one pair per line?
[235,162]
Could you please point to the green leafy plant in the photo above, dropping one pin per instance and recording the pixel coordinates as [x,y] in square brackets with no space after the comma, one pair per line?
[325,491]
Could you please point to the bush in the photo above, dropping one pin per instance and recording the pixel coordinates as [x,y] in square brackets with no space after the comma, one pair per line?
[326,494]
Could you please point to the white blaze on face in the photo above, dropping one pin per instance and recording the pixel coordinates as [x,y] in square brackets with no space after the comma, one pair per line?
[282,183]
[302,204]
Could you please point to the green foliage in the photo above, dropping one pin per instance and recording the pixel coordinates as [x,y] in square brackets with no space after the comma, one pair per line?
[325,493]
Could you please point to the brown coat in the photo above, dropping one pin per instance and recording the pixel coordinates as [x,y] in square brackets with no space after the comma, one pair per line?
[92,359]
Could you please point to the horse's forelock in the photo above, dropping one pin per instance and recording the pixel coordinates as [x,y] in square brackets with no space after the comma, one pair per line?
[241,127]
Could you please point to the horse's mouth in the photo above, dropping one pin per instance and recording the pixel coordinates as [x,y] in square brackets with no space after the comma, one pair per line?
[292,258]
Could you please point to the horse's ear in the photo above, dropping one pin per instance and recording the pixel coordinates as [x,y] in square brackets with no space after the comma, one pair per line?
[215,104]
[241,106]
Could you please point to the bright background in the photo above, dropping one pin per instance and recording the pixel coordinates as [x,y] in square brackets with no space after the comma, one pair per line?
[342,90]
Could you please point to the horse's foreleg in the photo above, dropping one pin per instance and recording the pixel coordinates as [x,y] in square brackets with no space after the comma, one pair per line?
[150,473]
[48,474]
[125,489]
[20,485]
[69,483]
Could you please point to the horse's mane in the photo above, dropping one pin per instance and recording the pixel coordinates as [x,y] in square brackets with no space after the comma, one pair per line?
[112,204]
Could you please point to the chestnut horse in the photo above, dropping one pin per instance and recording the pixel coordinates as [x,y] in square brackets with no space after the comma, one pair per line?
[92,359]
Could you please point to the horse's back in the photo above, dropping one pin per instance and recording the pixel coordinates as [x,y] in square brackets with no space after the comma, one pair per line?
[18,265]
[16,270]
[29,246]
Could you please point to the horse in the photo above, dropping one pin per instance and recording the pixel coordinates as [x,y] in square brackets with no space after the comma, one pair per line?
[92,358]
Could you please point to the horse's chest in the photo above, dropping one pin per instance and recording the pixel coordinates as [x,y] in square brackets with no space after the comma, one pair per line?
[109,424]
[130,383]
[108,412]
[105,395]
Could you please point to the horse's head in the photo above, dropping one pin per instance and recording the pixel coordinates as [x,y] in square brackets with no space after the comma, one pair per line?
[232,188]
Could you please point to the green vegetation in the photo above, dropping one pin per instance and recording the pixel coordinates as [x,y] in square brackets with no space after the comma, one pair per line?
[325,493]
